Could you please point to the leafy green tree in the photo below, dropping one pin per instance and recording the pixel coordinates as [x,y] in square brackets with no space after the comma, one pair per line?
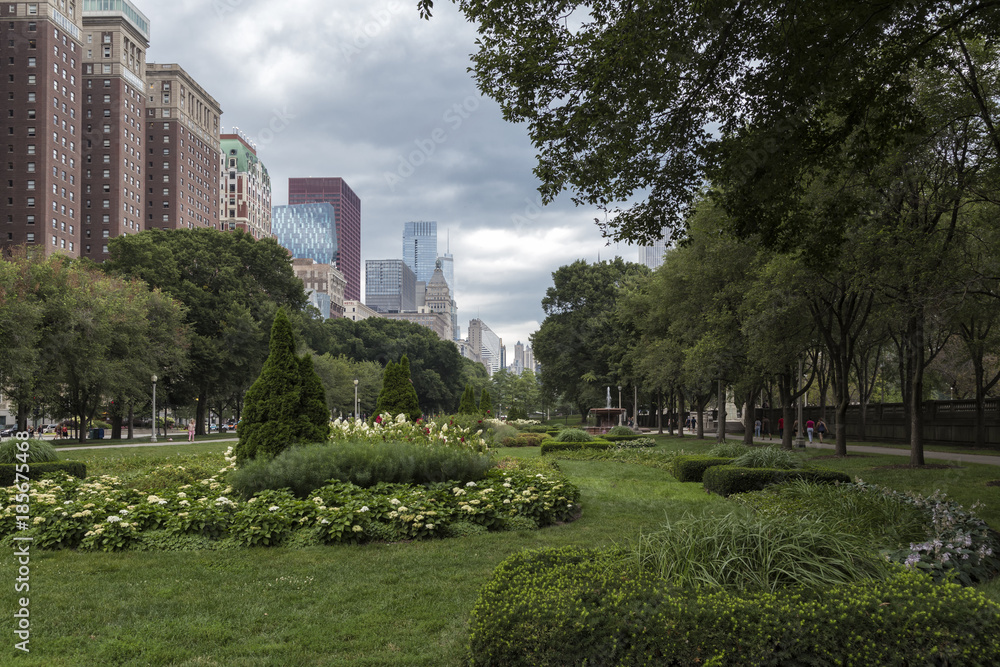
[436,365]
[231,285]
[651,101]
[338,375]
[398,395]
[580,343]
[285,405]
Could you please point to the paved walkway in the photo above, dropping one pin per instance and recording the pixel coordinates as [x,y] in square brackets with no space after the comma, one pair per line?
[888,451]
[179,441]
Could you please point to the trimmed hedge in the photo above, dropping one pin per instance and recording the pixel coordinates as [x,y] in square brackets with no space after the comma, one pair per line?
[692,468]
[620,438]
[8,471]
[525,440]
[573,606]
[554,446]
[727,480]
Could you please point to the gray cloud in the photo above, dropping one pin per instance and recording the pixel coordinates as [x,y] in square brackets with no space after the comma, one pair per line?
[368,91]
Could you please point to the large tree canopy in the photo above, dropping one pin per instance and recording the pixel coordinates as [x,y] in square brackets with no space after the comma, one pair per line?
[231,284]
[654,98]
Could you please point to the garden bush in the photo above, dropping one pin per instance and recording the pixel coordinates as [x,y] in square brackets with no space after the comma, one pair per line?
[302,469]
[497,434]
[768,457]
[620,430]
[37,451]
[550,446]
[692,468]
[8,471]
[726,480]
[525,440]
[573,435]
[572,606]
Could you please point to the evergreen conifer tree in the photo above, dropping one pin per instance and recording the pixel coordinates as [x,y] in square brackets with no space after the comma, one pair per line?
[398,395]
[486,404]
[468,404]
[315,415]
[271,409]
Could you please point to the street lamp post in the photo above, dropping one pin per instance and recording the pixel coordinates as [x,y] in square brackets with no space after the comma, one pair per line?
[619,404]
[153,439]
[355,398]
[800,440]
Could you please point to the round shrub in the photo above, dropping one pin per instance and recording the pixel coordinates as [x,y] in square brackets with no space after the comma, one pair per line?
[39,451]
[497,434]
[768,457]
[573,435]
[305,468]
[621,430]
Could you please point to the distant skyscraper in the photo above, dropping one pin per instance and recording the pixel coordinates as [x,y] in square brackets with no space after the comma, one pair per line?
[114,109]
[347,207]
[390,286]
[652,255]
[448,269]
[420,248]
[246,188]
[490,346]
[182,144]
[308,231]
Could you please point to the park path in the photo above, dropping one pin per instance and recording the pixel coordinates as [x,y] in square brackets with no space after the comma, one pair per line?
[182,441]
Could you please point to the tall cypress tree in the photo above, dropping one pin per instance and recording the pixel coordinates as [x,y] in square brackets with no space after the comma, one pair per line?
[468,404]
[286,404]
[486,403]
[398,395]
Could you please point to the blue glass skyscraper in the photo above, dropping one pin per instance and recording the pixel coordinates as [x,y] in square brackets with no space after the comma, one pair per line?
[420,248]
[308,231]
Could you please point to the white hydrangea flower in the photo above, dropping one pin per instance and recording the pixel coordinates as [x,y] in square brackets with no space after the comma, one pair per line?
[114,519]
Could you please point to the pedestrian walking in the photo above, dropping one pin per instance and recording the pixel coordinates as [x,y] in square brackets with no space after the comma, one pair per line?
[191,431]
[821,429]
[810,427]
[766,428]
[756,428]
[781,428]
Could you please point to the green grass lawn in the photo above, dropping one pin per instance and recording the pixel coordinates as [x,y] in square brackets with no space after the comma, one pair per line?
[376,604]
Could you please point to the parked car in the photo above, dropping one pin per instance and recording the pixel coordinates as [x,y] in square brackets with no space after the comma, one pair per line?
[8,431]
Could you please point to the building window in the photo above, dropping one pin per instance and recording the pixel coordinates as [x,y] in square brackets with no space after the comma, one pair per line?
[31,186]
[30,238]
[105,233]
[30,202]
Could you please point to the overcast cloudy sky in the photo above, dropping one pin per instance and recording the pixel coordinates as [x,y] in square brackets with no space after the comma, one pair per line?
[367,91]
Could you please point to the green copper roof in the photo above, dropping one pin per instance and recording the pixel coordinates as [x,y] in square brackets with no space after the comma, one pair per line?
[244,158]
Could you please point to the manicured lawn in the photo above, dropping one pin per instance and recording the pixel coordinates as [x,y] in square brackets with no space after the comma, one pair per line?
[376,604]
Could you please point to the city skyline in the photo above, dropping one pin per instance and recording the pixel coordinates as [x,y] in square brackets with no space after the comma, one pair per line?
[370,93]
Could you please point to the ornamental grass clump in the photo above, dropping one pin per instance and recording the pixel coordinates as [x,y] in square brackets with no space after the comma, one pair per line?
[621,430]
[767,457]
[573,435]
[729,449]
[39,451]
[741,551]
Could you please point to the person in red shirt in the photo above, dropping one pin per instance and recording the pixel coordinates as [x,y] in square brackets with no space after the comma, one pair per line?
[781,427]
[810,425]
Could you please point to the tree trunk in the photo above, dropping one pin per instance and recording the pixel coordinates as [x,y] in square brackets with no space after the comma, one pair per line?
[659,413]
[977,365]
[749,416]
[680,413]
[200,408]
[916,358]
[720,423]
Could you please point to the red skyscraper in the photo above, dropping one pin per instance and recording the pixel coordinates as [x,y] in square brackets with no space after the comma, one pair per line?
[347,208]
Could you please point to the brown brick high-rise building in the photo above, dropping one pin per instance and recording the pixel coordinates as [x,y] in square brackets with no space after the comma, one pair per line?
[114,62]
[347,217]
[182,151]
[41,87]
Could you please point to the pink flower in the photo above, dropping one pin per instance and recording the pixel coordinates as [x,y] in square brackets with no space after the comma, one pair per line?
[378,420]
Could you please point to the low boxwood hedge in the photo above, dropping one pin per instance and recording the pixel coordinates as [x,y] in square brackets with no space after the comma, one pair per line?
[525,440]
[573,606]
[727,479]
[8,471]
[691,468]
[553,446]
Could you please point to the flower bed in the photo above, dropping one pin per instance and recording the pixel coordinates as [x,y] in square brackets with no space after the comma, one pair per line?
[386,428]
[106,514]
